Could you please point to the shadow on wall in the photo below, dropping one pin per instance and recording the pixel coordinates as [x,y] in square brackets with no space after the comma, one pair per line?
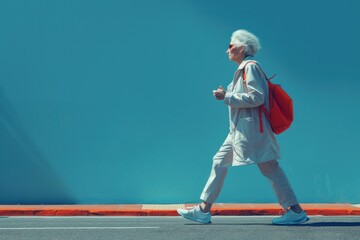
[25,175]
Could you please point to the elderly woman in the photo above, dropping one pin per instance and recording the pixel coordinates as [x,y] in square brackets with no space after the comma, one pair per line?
[245,144]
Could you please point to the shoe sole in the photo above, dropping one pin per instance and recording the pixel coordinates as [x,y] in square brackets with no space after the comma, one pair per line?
[193,219]
[294,223]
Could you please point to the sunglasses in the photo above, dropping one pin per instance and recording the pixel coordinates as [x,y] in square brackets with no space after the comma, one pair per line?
[231,46]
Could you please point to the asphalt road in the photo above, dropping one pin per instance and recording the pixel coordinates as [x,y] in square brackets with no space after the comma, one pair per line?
[173,228]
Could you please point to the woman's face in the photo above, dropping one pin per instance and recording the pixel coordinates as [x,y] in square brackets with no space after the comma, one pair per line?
[235,53]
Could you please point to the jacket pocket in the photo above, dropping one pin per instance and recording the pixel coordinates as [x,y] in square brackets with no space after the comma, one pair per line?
[248,141]
[248,129]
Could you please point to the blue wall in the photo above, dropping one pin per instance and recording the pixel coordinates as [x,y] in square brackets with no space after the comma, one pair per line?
[111,102]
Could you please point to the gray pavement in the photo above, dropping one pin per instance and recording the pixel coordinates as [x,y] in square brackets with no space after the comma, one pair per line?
[169,228]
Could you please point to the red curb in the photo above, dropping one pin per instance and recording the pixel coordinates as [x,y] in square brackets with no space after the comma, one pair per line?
[136,210]
[162,213]
[331,209]
[247,209]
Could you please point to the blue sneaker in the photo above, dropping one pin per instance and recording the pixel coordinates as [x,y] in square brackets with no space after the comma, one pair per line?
[195,214]
[291,218]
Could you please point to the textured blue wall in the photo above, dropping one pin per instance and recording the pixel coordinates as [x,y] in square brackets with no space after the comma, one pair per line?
[111,102]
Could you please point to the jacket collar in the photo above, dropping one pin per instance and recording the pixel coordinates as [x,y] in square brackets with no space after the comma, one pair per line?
[242,64]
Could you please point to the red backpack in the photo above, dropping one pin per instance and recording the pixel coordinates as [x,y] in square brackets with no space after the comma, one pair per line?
[281,111]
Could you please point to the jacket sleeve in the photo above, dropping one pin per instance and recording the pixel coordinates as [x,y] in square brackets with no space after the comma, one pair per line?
[254,97]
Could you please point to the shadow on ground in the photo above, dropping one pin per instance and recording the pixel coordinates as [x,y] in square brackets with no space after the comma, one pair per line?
[317,224]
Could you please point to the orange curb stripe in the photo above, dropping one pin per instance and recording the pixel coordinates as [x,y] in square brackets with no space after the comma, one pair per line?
[136,210]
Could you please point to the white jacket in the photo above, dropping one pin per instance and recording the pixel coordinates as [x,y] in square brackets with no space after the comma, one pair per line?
[249,144]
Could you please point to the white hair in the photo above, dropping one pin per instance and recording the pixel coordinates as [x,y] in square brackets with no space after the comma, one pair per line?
[247,40]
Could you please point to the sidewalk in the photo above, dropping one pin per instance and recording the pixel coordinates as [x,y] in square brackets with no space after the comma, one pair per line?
[170,209]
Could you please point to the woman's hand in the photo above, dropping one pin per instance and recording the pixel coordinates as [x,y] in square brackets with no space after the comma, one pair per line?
[219,93]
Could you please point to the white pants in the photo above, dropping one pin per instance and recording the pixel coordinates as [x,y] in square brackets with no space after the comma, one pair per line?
[271,170]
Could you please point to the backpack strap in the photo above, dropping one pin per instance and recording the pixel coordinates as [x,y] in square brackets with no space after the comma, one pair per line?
[262,108]
[244,73]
